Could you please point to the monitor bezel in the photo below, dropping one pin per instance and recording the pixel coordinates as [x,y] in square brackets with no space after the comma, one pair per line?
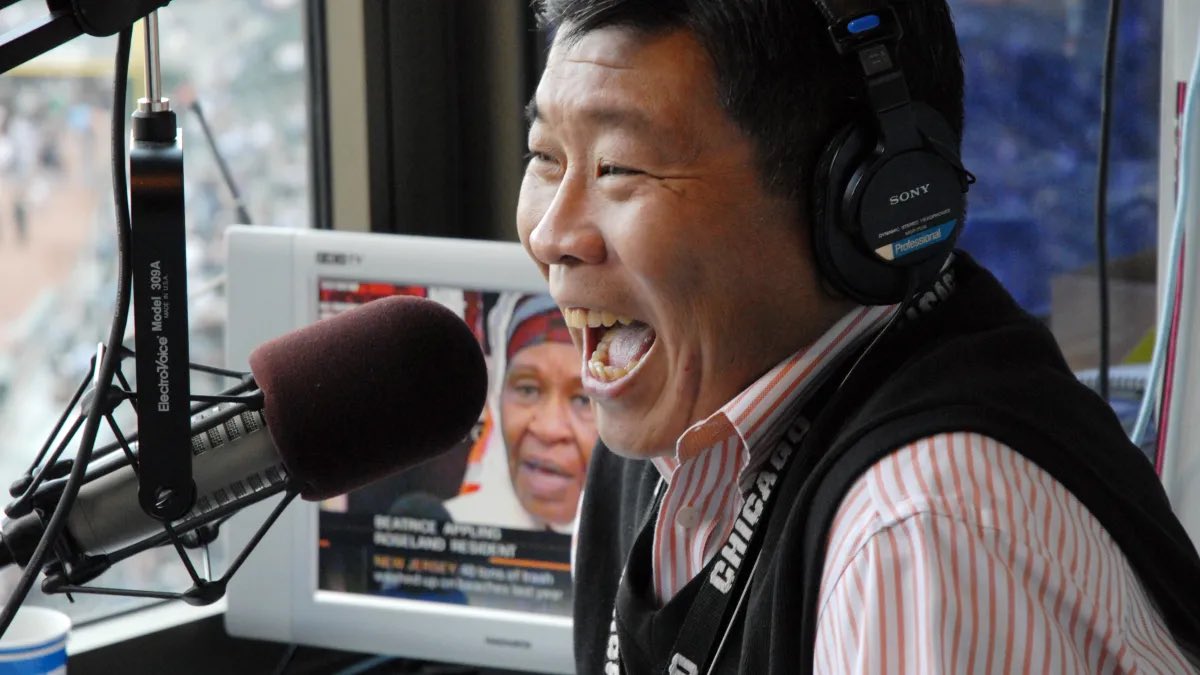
[275,595]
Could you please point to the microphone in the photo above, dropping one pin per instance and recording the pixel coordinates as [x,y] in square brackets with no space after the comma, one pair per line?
[346,401]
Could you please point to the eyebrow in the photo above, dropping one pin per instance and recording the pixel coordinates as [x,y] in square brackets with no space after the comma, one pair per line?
[523,370]
[604,116]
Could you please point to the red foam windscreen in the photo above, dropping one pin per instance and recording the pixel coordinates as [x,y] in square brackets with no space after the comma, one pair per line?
[369,392]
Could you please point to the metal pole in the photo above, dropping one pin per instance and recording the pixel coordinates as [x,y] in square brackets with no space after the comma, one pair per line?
[154,100]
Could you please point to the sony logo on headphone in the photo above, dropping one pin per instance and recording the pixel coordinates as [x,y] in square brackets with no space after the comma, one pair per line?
[909,194]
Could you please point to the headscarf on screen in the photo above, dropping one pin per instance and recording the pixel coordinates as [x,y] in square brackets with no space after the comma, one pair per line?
[516,321]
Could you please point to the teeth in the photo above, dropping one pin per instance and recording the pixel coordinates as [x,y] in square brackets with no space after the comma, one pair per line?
[601,352]
[594,318]
[608,373]
[545,468]
[598,364]
[573,317]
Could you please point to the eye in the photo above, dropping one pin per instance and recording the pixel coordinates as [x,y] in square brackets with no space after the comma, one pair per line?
[582,405]
[615,170]
[545,165]
[526,391]
[523,389]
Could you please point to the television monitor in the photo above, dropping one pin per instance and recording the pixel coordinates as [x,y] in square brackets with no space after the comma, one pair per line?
[444,562]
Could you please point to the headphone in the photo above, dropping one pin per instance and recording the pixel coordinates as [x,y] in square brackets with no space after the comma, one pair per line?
[890,191]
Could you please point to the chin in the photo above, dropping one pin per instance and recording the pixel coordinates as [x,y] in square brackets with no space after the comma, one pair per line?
[641,428]
[631,445]
[552,515]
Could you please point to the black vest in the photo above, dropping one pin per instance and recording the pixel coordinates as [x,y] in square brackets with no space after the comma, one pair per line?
[973,361]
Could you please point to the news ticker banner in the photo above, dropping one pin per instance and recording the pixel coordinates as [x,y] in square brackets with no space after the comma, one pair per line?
[443,561]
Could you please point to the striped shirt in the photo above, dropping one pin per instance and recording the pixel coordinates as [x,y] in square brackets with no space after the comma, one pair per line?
[952,555]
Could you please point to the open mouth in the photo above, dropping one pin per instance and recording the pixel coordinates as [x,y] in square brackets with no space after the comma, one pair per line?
[613,345]
[543,477]
[545,468]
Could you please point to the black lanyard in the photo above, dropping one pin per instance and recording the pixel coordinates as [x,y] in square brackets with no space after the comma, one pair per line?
[725,577]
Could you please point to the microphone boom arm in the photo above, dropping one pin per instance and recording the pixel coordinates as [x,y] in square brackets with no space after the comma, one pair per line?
[67,20]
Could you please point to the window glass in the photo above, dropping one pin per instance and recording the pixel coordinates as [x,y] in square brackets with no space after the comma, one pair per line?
[1033,96]
[243,64]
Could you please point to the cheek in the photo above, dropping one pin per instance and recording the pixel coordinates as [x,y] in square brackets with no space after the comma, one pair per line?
[532,202]
[513,421]
[587,447]
[656,249]
[585,440]
[531,207]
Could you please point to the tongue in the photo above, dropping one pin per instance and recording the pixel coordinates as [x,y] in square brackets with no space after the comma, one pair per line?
[629,343]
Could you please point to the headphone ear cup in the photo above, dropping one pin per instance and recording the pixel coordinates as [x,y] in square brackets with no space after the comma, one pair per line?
[837,239]
[852,166]
[845,149]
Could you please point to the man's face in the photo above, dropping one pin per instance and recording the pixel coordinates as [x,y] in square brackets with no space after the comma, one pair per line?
[642,201]
[548,428]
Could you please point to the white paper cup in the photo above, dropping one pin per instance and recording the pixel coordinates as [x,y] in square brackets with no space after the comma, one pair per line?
[35,643]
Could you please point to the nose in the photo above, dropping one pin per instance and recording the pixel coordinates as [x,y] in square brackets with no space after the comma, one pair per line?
[551,423]
[567,232]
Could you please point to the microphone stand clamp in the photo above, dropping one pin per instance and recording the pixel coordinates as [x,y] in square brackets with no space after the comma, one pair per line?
[166,489]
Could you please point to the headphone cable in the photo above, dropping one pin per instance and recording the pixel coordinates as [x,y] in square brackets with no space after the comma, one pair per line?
[1106,86]
[106,365]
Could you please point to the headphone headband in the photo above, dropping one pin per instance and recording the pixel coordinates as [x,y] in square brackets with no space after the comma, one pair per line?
[888,200]
[865,25]
[838,11]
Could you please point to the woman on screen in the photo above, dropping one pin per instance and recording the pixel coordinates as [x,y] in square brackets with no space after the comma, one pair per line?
[533,465]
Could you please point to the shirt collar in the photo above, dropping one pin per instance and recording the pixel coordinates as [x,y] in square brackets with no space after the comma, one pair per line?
[755,415]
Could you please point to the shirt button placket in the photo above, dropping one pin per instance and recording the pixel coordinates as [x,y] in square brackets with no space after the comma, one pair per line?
[688,517]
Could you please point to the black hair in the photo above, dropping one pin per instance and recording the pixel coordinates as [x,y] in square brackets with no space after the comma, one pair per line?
[777,73]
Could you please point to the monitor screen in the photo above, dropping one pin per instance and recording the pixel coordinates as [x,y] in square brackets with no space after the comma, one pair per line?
[488,523]
[465,558]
